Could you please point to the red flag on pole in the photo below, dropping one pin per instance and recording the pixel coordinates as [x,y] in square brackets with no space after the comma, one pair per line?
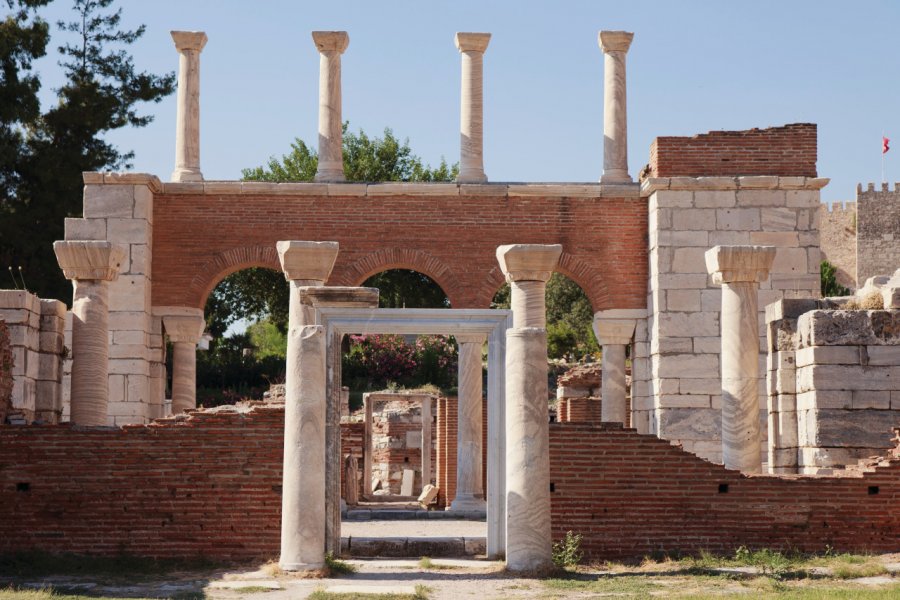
[884,144]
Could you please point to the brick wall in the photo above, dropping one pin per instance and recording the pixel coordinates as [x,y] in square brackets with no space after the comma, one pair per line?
[446,438]
[633,495]
[785,151]
[6,377]
[878,231]
[210,486]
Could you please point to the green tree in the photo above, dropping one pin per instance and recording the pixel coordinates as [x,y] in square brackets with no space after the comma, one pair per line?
[828,281]
[101,94]
[258,293]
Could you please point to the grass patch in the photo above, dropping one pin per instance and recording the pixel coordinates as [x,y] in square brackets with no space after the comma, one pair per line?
[421,593]
[31,564]
[46,594]
[426,563]
[253,589]
[336,566]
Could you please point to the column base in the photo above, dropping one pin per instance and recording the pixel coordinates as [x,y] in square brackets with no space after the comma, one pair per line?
[471,177]
[300,566]
[467,504]
[330,176]
[616,176]
[186,175]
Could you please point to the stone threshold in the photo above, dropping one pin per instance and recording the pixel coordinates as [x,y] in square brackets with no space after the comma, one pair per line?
[410,514]
[412,547]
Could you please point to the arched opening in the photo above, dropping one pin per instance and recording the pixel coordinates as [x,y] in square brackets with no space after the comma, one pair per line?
[246,317]
[405,288]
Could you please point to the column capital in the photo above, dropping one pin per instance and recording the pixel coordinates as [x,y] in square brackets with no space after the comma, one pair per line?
[472,42]
[615,41]
[331,41]
[339,296]
[89,260]
[189,40]
[310,261]
[182,324]
[613,330]
[528,262]
[729,264]
[470,338]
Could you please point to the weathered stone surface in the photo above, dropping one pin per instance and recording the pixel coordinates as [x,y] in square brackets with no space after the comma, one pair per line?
[851,428]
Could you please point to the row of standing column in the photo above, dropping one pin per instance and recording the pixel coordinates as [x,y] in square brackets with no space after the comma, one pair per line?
[472,46]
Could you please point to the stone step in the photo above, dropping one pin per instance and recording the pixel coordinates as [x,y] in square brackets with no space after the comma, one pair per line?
[392,514]
[413,547]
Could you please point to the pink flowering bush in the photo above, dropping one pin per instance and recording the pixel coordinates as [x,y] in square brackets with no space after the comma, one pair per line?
[373,361]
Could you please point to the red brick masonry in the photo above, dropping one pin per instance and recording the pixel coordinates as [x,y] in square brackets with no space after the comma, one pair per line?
[784,151]
[210,486]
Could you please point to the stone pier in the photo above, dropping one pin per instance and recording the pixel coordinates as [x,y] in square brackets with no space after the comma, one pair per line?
[615,45]
[187,121]
[331,44]
[184,327]
[740,269]
[471,134]
[91,265]
[303,520]
[527,268]
[469,487]
[614,330]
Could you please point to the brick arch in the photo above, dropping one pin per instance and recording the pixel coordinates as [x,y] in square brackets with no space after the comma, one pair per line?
[576,269]
[385,259]
[224,264]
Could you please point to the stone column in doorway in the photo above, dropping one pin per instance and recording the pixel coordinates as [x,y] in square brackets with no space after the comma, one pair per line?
[740,269]
[187,121]
[469,487]
[311,299]
[303,516]
[184,327]
[471,134]
[91,265]
[615,45]
[614,330]
[331,44]
[528,540]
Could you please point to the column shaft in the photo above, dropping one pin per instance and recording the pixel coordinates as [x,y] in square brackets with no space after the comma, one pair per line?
[612,384]
[331,45]
[528,303]
[187,120]
[740,377]
[615,45]
[184,377]
[90,347]
[528,537]
[303,490]
[469,487]
[471,159]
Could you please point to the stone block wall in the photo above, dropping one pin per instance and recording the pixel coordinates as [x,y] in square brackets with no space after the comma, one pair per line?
[396,443]
[352,442]
[878,231]
[118,207]
[6,367]
[833,392]
[677,390]
[35,328]
[786,151]
[837,238]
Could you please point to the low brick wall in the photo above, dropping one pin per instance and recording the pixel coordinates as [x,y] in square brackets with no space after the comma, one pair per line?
[210,486]
[633,495]
[6,377]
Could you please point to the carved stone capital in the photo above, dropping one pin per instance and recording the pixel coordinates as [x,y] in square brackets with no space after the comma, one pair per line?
[470,338]
[613,331]
[189,40]
[89,260]
[472,42]
[615,41]
[528,262]
[182,324]
[729,264]
[339,296]
[310,261]
[331,41]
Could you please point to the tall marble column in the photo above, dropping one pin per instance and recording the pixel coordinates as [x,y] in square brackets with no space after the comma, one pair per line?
[527,268]
[187,121]
[303,517]
[740,269]
[184,327]
[615,45]
[614,330]
[471,123]
[469,486]
[91,265]
[331,44]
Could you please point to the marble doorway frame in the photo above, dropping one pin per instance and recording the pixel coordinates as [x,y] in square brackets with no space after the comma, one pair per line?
[420,321]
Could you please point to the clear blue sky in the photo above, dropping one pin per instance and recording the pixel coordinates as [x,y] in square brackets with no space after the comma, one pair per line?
[694,66]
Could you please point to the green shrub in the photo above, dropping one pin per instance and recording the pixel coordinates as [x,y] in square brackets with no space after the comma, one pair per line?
[567,552]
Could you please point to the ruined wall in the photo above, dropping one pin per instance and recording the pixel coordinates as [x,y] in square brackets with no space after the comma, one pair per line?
[837,238]
[878,231]
[446,433]
[647,497]
[35,328]
[210,486]
[833,393]
[352,442]
[396,442]
[6,376]
[786,151]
